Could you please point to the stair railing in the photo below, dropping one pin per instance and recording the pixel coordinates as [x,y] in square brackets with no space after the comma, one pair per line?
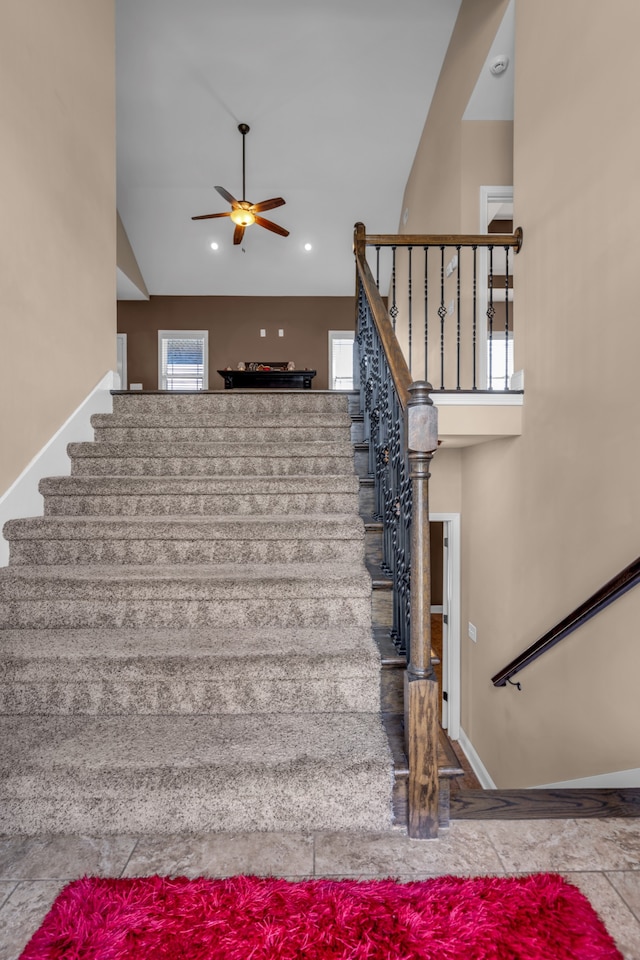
[606,595]
[401,428]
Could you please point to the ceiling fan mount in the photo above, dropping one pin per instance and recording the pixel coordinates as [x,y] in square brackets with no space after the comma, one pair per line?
[244,213]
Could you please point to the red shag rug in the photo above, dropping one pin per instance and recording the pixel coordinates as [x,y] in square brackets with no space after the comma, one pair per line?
[538,917]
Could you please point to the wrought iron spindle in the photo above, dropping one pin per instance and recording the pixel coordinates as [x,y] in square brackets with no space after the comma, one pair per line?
[378,266]
[426,312]
[410,304]
[393,312]
[442,313]
[490,315]
[459,319]
[475,316]
[506,319]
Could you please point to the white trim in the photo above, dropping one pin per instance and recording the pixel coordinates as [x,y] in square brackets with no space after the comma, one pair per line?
[477,765]
[22,499]
[121,339]
[622,778]
[451,530]
[436,608]
[338,335]
[495,194]
[496,399]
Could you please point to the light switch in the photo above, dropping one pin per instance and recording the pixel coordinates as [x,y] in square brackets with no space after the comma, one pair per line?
[473,634]
[263,333]
[281,333]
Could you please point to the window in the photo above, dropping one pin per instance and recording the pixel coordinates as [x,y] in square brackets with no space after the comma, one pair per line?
[341,359]
[182,360]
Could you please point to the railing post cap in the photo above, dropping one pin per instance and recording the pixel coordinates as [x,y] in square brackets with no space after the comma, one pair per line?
[420,392]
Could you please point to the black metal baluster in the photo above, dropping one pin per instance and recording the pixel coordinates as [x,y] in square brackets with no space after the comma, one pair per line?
[458,319]
[393,312]
[475,315]
[426,313]
[410,293]
[442,313]
[490,315]
[506,320]
[378,266]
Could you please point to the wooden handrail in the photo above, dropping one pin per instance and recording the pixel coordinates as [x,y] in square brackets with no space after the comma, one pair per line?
[446,239]
[606,595]
[397,363]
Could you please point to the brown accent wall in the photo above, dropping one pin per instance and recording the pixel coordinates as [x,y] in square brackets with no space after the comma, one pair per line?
[234,325]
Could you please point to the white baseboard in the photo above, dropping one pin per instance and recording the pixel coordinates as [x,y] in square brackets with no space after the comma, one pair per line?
[436,608]
[477,765]
[22,499]
[621,778]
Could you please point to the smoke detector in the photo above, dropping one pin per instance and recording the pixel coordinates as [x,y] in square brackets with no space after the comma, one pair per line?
[499,64]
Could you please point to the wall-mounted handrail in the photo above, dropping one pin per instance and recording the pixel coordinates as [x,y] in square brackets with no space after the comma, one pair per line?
[614,588]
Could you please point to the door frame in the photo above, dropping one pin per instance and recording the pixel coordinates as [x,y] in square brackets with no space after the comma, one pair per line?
[451,604]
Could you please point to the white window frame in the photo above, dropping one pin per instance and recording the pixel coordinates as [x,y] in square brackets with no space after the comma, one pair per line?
[184,335]
[338,335]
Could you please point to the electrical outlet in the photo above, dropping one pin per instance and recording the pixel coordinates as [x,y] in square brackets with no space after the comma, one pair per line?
[281,333]
[263,333]
[473,634]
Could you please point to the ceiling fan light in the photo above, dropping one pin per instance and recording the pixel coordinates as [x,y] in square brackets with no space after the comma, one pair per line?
[243,218]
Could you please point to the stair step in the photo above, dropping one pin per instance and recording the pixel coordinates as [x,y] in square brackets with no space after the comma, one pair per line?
[276,433]
[130,496]
[166,539]
[117,596]
[201,671]
[167,774]
[120,459]
[155,407]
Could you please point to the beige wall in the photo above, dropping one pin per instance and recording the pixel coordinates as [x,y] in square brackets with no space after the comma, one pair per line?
[57,234]
[548,517]
[234,325]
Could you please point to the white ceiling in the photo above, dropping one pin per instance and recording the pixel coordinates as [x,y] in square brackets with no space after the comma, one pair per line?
[336,93]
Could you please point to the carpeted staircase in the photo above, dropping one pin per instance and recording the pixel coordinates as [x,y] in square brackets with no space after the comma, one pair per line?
[185,636]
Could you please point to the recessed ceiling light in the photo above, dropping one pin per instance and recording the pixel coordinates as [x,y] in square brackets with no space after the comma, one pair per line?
[214,245]
[308,247]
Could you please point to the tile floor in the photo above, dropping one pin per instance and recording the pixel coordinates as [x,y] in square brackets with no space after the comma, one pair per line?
[602,857]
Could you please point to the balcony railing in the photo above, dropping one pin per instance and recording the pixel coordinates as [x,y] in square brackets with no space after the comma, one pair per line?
[450,303]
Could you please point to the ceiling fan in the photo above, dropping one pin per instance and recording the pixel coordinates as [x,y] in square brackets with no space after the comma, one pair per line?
[243,213]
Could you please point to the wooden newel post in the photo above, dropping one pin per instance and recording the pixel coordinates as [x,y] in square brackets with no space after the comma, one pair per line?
[421,687]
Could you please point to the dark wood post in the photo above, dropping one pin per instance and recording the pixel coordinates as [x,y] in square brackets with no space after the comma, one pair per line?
[421,686]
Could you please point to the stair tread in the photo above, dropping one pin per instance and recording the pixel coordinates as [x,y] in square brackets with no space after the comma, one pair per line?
[184,485]
[153,450]
[88,747]
[238,579]
[244,526]
[150,652]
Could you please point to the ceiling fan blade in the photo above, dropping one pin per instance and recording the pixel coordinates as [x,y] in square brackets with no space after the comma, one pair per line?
[238,233]
[272,226]
[225,193]
[210,216]
[268,204]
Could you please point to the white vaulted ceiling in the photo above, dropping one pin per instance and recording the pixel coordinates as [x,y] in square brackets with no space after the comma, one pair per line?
[336,93]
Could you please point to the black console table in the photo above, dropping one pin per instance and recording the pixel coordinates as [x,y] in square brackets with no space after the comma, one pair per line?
[268,379]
